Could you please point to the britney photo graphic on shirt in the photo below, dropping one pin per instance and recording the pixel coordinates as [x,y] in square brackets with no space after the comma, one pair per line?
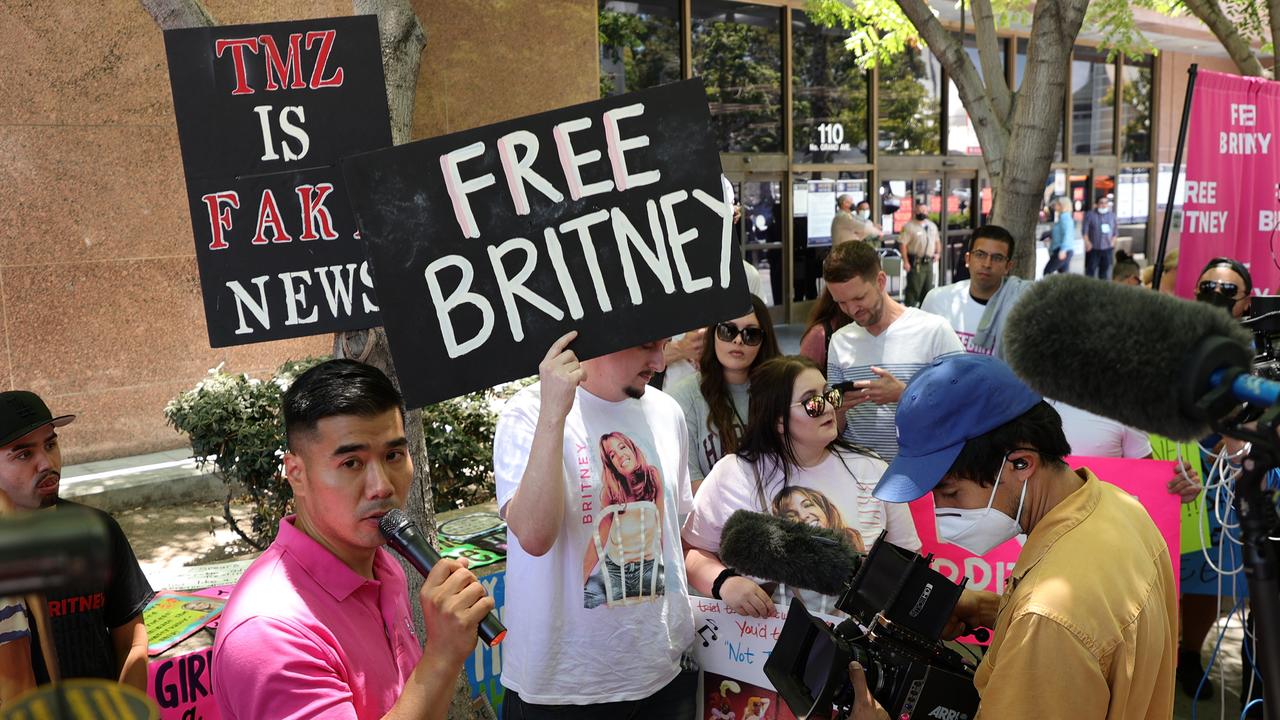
[623,561]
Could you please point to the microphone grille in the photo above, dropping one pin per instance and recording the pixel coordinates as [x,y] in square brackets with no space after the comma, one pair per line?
[392,522]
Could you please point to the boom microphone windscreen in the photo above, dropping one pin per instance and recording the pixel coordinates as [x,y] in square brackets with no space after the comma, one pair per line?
[1126,353]
[789,552]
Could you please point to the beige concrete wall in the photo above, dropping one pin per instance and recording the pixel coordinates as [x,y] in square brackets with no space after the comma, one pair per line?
[99,293]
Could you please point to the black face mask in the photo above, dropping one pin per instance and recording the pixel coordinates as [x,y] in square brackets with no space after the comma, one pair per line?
[920,216]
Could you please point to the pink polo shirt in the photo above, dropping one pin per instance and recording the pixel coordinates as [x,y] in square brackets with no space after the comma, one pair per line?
[305,636]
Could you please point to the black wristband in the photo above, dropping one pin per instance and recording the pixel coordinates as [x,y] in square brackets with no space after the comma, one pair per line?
[724,575]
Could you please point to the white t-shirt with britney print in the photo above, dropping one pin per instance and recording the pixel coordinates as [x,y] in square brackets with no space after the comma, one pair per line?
[835,494]
[603,616]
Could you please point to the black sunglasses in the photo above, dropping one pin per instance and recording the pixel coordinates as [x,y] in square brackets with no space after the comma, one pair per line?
[1226,288]
[816,405]
[750,335]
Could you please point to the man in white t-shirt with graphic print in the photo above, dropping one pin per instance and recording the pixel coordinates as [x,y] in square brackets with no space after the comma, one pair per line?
[989,259]
[881,350]
[592,477]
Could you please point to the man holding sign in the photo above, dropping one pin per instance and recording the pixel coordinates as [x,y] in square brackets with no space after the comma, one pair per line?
[1091,601]
[592,476]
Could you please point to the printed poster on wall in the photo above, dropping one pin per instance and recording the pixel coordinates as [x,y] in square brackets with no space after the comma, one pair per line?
[264,112]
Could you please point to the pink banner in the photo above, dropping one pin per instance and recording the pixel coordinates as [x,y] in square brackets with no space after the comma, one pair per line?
[1144,479]
[1233,180]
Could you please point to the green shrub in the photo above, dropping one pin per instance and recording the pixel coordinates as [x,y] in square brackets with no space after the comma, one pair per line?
[459,434]
[233,423]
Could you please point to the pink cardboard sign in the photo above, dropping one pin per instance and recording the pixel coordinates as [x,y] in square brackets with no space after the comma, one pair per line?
[1143,479]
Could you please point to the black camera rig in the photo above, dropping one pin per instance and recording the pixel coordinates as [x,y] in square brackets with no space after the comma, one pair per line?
[898,607]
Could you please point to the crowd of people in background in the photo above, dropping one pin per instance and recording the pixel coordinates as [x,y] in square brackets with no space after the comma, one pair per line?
[616,493]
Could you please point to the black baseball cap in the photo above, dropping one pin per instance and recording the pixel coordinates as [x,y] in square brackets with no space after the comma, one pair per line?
[22,411]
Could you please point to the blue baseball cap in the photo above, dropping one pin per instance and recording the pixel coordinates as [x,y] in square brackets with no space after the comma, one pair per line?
[960,397]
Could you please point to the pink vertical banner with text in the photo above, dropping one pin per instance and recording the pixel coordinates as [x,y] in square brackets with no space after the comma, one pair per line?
[1232,205]
[1146,480]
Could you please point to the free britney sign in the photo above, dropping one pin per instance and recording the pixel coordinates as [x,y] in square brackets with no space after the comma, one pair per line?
[264,112]
[1232,205]
[610,217]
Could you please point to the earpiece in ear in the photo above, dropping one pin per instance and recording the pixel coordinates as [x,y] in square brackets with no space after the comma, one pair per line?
[1020,464]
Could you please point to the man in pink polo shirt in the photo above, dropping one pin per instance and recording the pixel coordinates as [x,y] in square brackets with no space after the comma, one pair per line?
[320,626]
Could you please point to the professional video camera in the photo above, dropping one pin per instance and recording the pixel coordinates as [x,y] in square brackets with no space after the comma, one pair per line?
[897,606]
[1264,323]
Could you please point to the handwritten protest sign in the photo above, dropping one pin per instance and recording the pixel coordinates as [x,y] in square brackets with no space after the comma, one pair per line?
[183,686]
[171,617]
[484,667]
[1144,479]
[731,649]
[264,112]
[1195,516]
[610,217]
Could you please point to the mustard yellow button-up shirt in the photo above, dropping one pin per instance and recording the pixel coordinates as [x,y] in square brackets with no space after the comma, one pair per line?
[1087,625]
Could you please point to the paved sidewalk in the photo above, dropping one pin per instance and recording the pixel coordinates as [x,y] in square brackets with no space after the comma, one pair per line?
[155,479]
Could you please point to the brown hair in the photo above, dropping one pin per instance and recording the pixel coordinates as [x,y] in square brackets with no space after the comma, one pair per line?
[849,260]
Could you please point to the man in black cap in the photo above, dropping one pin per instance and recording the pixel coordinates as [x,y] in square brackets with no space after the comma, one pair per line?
[97,629]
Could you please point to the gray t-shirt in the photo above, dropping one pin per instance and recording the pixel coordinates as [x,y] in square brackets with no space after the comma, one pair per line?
[704,441]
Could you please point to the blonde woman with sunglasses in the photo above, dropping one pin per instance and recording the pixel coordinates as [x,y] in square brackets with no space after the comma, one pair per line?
[791,463]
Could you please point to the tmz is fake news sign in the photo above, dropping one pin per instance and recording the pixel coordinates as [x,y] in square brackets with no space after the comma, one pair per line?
[610,217]
[264,112]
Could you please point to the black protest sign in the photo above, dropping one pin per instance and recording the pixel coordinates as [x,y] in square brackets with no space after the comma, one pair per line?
[610,217]
[264,112]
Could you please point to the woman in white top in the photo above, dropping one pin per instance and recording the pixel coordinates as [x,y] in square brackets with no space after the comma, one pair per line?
[790,463]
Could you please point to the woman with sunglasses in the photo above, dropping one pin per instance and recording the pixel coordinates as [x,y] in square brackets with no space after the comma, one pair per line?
[715,401]
[790,443]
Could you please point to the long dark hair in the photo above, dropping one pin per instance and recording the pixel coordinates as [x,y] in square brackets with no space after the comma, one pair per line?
[827,311]
[766,449]
[721,417]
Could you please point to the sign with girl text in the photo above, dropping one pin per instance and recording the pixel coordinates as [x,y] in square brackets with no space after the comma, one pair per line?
[264,112]
[1232,205]
[611,218]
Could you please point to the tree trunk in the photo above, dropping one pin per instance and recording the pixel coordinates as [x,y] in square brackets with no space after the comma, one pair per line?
[403,41]
[1017,148]
[1033,129]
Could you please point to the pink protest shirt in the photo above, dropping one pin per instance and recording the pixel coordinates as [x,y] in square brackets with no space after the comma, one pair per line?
[305,636]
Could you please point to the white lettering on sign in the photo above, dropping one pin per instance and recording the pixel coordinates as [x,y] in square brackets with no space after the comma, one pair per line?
[1202,192]
[1244,114]
[1204,221]
[339,295]
[1247,143]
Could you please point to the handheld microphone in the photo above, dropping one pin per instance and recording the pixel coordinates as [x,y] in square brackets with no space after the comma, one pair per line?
[789,552]
[1140,357]
[405,538]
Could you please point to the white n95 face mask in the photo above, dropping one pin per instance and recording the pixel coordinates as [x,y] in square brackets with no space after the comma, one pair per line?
[980,530]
